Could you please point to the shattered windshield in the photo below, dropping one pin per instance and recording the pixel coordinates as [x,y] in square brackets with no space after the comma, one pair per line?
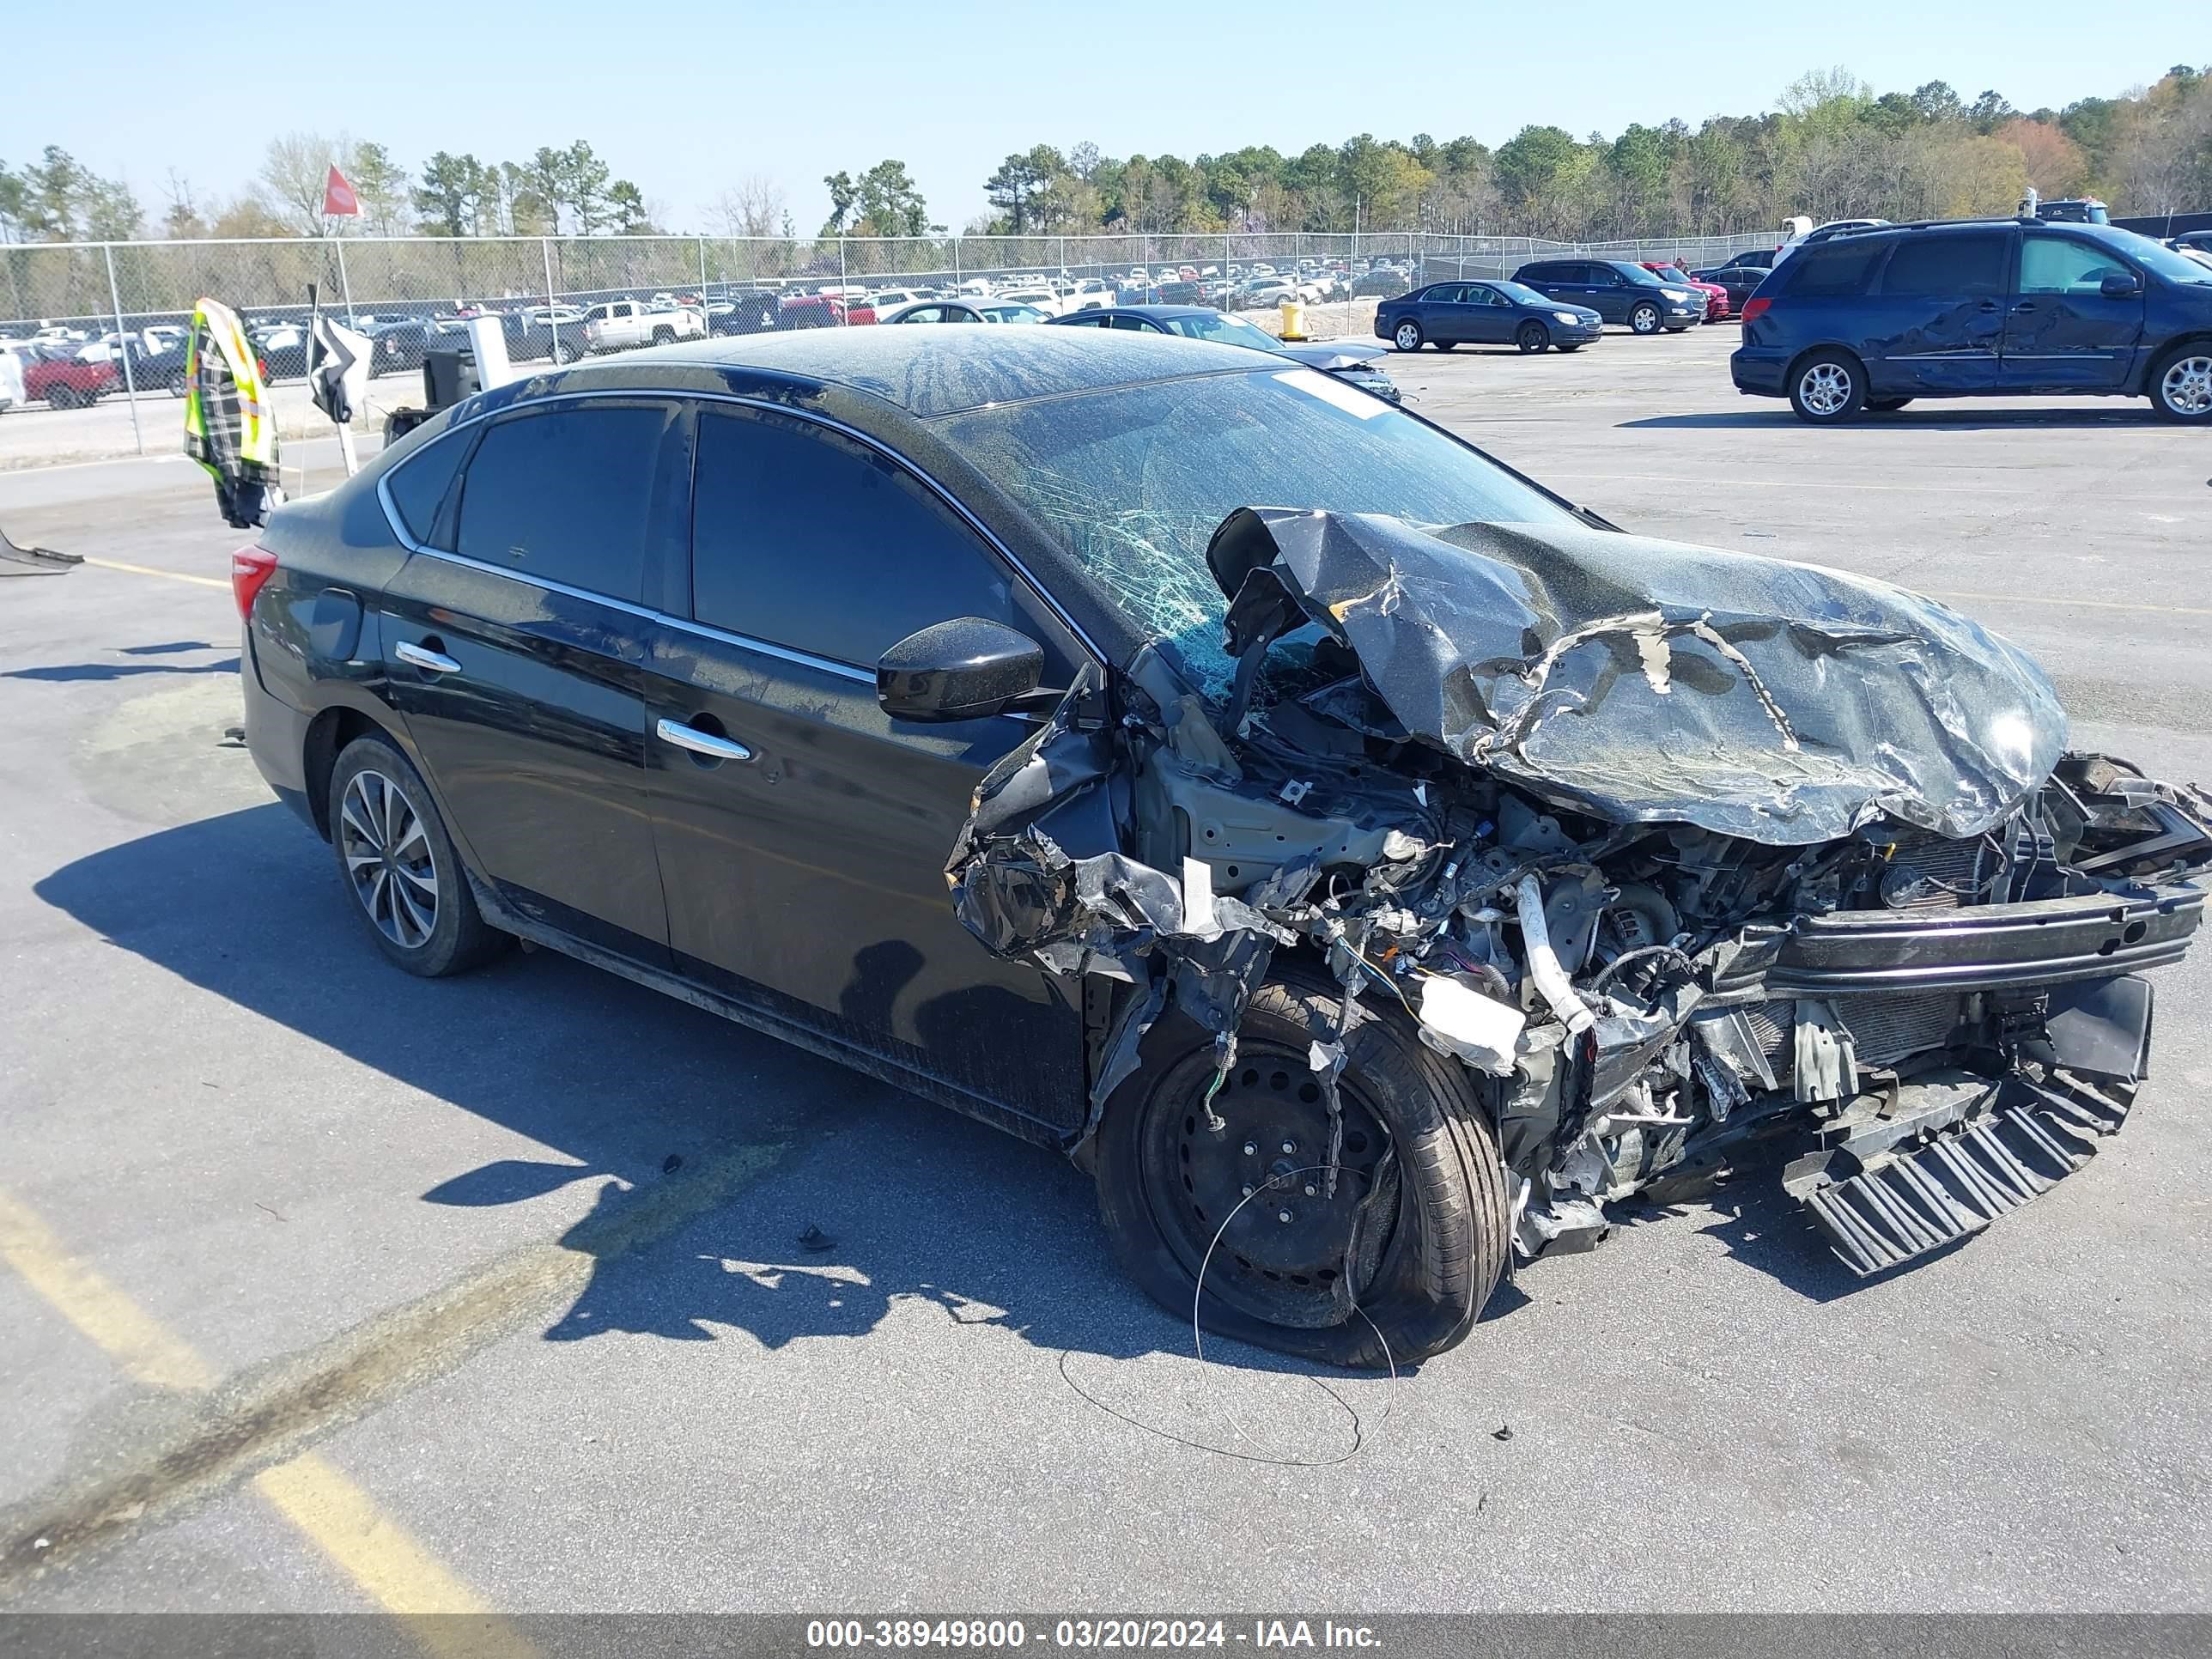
[1133,480]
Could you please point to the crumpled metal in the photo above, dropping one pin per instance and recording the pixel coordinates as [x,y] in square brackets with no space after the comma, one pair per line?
[1646,681]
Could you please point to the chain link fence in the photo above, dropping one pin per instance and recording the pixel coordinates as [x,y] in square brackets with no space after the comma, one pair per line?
[94,323]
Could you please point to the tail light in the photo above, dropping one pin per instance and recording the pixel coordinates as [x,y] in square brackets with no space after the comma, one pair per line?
[1755,308]
[250,567]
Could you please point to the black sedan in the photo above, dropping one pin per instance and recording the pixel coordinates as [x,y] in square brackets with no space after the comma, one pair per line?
[1447,315]
[1278,897]
[1354,361]
[1741,281]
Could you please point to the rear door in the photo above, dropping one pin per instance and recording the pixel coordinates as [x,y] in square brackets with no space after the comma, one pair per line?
[804,853]
[1935,320]
[2061,331]
[1442,315]
[514,647]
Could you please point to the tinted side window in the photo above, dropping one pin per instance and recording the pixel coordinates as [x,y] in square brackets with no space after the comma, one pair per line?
[1831,270]
[418,485]
[1948,266]
[564,496]
[808,540]
[1443,293]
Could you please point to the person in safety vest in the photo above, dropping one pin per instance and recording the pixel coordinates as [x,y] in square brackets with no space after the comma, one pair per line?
[230,426]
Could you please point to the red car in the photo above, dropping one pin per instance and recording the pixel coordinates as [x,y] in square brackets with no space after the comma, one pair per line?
[67,382]
[1717,299]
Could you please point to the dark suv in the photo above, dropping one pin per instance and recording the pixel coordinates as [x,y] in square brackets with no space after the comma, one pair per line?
[1977,308]
[1618,290]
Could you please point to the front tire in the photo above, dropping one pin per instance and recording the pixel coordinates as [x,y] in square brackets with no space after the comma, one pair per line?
[1407,337]
[2181,385]
[1532,336]
[1419,1169]
[399,864]
[1828,388]
[1645,319]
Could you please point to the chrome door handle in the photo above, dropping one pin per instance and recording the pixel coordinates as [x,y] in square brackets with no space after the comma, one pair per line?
[435,662]
[702,743]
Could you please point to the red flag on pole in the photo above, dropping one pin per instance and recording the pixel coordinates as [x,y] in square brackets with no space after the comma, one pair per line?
[338,200]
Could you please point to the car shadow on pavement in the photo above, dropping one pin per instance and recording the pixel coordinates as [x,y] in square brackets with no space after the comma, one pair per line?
[1926,420]
[62,672]
[897,1201]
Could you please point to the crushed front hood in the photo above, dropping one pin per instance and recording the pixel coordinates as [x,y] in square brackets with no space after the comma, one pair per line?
[1648,681]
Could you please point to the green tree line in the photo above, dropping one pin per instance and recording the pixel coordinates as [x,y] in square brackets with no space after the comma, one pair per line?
[1832,149]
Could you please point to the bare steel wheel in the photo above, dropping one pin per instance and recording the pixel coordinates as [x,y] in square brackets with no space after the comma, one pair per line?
[1224,1208]
[388,860]
[2182,384]
[400,864]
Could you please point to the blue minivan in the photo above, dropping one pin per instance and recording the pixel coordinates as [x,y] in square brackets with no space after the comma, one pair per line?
[1874,318]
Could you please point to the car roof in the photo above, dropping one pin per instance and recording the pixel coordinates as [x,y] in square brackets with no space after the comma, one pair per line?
[1160,313]
[945,369]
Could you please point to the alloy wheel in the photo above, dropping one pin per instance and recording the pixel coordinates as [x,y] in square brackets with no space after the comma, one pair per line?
[1409,337]
[2186,386]
[1826,389]
[1644,320]
[388,859]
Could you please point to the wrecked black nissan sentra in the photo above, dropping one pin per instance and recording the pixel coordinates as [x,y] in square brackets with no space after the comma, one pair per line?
[1370,864]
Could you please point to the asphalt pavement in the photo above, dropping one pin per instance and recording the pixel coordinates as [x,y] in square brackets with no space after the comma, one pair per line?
[328,1288]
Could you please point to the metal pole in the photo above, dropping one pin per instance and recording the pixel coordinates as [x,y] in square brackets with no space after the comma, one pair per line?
[702,273]
[123,345]
[552,305]
[345,287]
[843,298]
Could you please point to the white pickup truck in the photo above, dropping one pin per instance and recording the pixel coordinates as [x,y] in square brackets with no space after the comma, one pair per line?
[618,324]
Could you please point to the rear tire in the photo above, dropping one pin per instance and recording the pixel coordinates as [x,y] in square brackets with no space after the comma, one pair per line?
[399,866]
[1828,388]
[664,337]
[2181,384]
[62,395]
[1407,337]
[1532,336]
[1887,405]
[1416,1137]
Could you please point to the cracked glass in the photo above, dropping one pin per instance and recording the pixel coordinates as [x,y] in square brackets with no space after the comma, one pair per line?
[1133,480]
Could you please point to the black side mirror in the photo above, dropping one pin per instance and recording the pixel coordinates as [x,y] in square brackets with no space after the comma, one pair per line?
[2120,285]
[962,670]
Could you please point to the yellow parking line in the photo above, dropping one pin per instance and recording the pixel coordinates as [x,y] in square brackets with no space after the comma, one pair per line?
[390,1567]
[2052,599]
[147,1353]
[149,570]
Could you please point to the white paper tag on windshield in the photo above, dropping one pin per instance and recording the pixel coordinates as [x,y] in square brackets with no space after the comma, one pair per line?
[1330,390]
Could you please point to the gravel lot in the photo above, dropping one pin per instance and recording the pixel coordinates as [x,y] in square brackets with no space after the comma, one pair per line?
[513,1256]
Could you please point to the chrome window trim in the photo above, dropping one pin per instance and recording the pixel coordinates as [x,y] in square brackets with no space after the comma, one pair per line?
[959,508]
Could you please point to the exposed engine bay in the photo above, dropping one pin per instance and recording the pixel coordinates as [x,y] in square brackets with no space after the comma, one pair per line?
[1674,849]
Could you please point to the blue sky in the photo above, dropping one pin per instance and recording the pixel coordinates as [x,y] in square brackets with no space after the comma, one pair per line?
[684,106]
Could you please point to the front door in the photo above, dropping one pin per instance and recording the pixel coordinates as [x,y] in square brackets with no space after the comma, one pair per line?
[802,832]
[2062,330]
[1484,317]
[1939,316]
[516,656]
